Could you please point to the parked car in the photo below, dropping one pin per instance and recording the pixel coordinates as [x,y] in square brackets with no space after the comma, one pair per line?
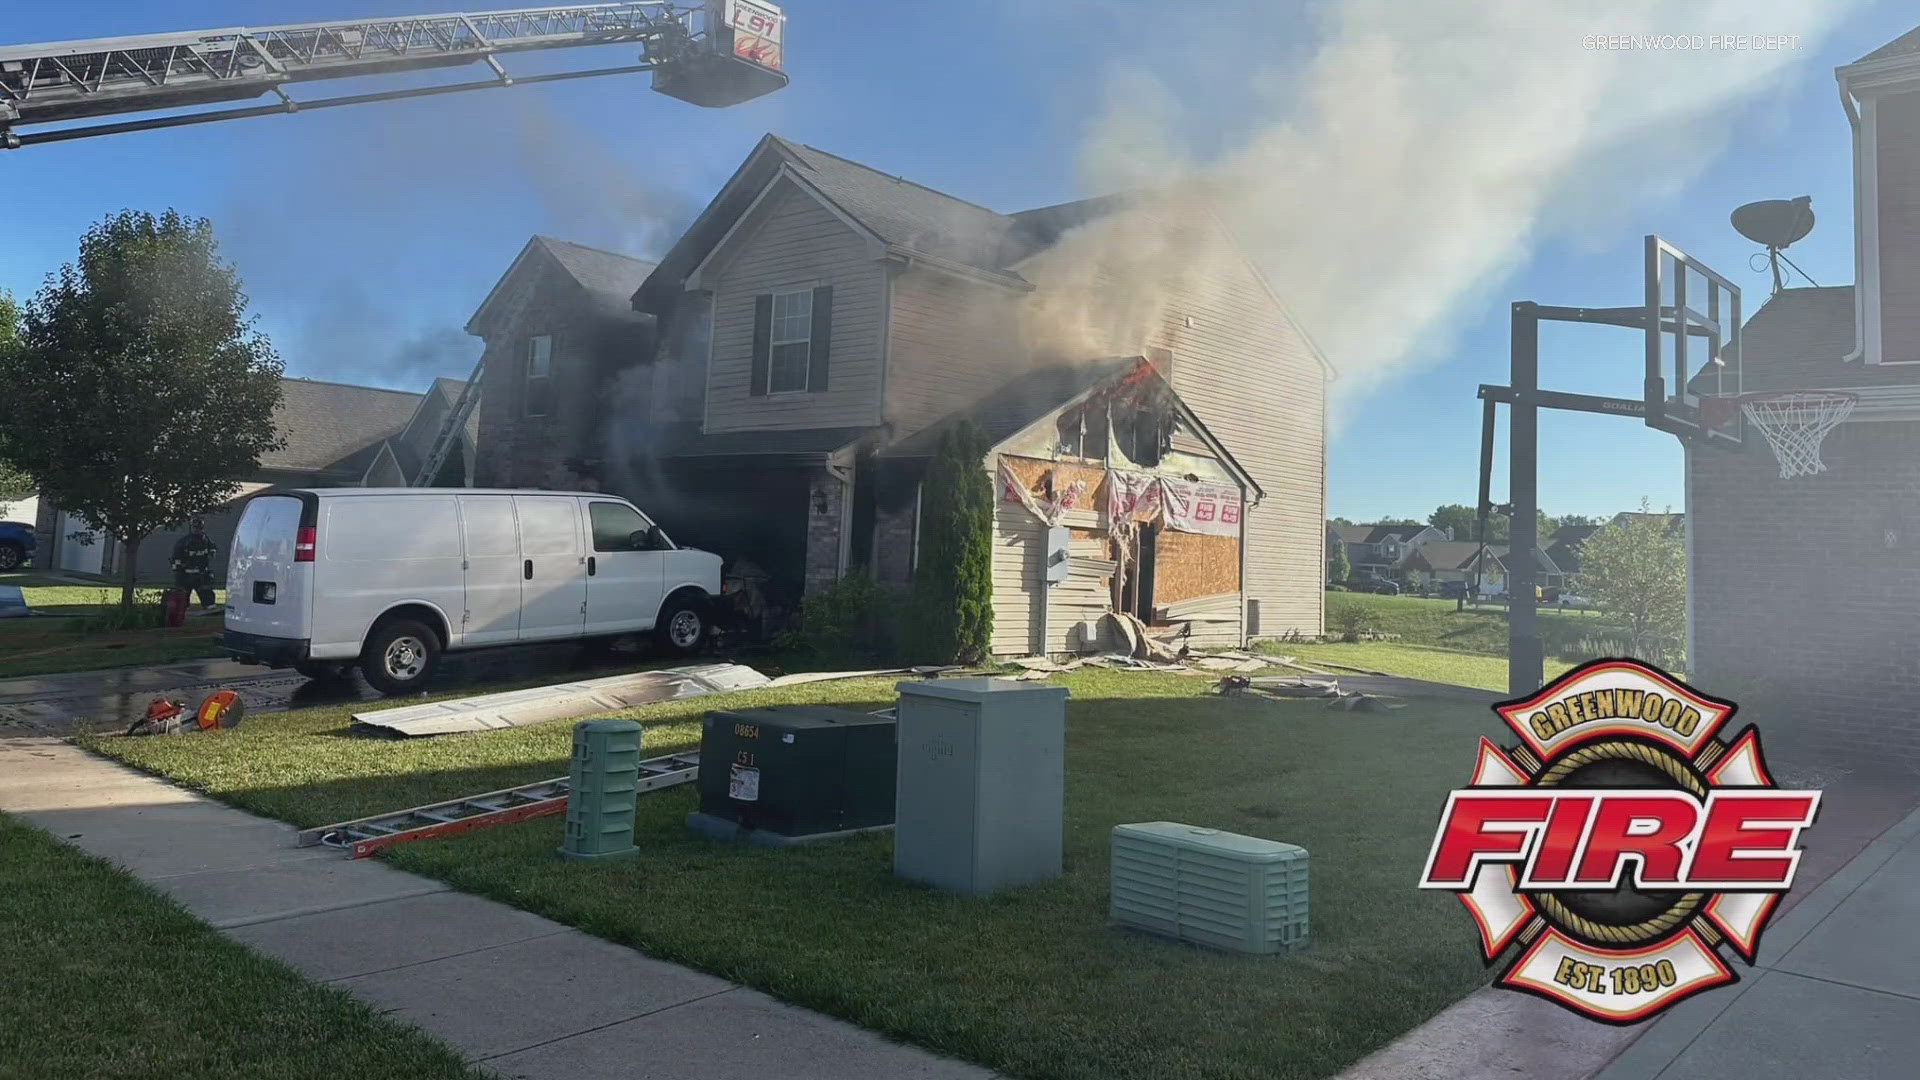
[1452,590]
[16,545]
[1378,585]
[388,579]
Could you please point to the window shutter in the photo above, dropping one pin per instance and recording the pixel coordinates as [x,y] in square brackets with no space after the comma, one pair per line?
[762,343]
[817,352]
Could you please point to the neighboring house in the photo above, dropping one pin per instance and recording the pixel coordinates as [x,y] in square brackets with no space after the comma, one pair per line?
[335,435]
[1382,550]
[1811,631]
[1563,547]
[563,347]
[1460,560]
[773,399]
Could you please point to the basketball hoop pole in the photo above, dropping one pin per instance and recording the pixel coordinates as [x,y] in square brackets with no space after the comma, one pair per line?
[1526,657]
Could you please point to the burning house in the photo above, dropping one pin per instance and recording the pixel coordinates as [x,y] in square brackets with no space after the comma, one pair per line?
[773,389]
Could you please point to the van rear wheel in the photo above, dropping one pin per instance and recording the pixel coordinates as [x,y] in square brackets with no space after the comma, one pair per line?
[400,657]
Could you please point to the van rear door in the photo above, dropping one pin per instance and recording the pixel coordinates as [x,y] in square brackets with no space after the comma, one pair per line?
[268,590]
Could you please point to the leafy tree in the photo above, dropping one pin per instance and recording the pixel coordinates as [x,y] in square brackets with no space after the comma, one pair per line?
[140,391]
[1339,521]
[1339,567]
[1573,520]
[1464,521]
[1637,571]
[14,482]
[953,586]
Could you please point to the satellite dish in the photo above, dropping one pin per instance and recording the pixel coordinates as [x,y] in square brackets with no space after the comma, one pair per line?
[1775,223]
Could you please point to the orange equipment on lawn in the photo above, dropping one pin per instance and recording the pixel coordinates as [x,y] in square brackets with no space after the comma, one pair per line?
[220,709]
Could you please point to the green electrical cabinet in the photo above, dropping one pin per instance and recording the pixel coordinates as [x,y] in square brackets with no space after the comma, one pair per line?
[603,785]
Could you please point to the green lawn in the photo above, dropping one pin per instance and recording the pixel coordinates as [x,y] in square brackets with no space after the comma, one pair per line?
[107,978]
[61,639]
[1032,982]
[1412,662]
[1422,621]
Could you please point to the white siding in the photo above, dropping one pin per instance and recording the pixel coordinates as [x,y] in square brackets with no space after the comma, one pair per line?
[792,241]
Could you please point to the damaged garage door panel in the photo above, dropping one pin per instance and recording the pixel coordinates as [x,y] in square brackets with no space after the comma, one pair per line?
[565,701]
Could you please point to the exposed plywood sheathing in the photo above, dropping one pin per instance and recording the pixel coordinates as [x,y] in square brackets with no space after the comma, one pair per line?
[1189,565]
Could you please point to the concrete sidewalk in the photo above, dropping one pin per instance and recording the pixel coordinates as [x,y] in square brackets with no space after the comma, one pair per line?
[514,992]
[1835,990]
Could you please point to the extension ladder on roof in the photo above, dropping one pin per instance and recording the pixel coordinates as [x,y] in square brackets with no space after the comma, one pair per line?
[364,836]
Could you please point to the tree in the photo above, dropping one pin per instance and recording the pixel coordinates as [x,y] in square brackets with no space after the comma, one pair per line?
[1339,567]
[1574,521]
[1637,571]
[139,391]
[953,585]
[14,482]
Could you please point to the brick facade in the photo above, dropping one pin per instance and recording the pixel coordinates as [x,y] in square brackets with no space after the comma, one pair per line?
[1803,613]
[826,503]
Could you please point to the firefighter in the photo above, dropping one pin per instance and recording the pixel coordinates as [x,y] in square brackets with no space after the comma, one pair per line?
[193,565]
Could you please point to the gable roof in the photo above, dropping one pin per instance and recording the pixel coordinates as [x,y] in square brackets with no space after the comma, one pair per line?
[1453,554]
[1017,403]
[903,213]
[608,279]
[1903,45]
[335,427]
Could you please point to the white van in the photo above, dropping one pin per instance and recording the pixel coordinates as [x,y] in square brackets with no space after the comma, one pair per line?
[390,578]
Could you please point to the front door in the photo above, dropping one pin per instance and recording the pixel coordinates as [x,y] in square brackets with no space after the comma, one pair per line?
[625,579]
[491,547]
[553,567]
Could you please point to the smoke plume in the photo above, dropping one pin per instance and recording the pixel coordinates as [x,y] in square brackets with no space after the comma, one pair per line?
[1387,181]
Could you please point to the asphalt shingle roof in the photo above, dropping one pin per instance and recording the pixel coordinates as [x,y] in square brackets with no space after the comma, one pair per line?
[1908,42]
[1017,403]
[608,274]
[902,212]
[333,426]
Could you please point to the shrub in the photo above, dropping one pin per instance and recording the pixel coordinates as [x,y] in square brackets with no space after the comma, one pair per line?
[852,619]
[953,586]
[1349,620]
[145,613]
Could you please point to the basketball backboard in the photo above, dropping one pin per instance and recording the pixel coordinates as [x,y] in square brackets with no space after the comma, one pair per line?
[1692,323]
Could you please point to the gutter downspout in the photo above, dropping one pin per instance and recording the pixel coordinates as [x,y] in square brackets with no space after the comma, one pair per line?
[842,470]
[1859,226]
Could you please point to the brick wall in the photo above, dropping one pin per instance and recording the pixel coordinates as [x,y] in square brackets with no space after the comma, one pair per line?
[826,495]
[1802,612]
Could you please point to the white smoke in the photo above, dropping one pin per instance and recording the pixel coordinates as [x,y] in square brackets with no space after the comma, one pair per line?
[1387,182]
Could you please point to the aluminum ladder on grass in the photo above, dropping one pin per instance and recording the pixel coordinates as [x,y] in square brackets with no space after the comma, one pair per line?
[364,836]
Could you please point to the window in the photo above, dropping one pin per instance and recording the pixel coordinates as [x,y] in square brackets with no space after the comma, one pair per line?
[614,526]
[539,374]
[791,341]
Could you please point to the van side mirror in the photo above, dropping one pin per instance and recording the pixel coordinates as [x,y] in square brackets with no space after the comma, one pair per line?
[656,538]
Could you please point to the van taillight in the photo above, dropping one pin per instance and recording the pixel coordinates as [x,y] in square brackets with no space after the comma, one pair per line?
[303,545]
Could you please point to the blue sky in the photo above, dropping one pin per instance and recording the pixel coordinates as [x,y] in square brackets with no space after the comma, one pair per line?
[367,235]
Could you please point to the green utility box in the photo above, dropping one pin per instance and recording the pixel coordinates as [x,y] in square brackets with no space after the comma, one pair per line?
[1220,889]
[603,784]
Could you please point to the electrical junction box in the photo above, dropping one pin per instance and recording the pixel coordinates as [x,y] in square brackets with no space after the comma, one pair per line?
[1059,554]
[1207,887]
[982,784]
[796,771]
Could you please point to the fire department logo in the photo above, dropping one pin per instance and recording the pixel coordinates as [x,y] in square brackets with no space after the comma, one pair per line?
[1621,843]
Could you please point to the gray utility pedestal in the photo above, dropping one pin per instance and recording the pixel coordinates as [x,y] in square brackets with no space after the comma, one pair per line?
[981,791]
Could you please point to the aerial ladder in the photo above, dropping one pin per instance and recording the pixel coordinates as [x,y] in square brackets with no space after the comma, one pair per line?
[713,53]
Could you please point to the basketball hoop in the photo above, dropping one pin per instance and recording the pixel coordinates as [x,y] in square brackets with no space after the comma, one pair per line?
[1794,422]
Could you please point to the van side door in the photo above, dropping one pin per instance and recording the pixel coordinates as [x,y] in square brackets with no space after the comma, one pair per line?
[624,574]
[492,549]
[553,567]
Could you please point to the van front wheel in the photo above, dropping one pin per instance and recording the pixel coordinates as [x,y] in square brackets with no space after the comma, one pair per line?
[400,656]
[682,628]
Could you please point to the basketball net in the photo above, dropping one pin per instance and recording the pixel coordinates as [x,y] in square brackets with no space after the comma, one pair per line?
[1795,423]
